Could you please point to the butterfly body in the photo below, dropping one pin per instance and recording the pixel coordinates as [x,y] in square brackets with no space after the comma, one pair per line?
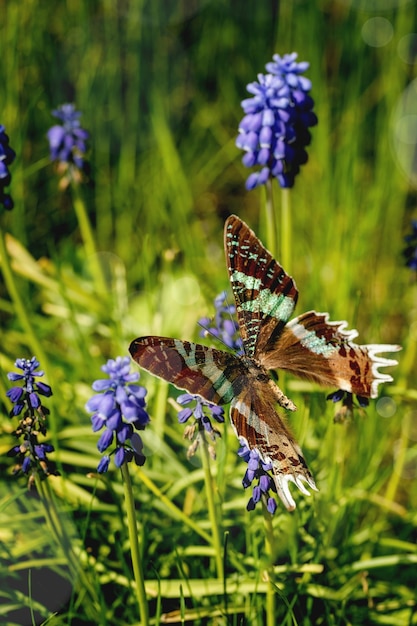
[309,346]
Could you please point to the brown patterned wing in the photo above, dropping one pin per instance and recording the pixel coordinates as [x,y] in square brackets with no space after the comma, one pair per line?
[312,347]
[258,425]
[265,295]
[212,374]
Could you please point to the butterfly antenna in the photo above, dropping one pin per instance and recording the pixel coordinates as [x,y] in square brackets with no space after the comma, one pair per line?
[238,347]
[219,303]
[228,306]
[209,332]
[220,332]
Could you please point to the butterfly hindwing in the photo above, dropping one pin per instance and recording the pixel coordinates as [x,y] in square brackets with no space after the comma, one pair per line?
[265,295]
[312,347]
[258,425]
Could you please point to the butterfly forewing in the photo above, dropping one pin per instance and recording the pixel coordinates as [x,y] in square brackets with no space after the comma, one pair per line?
[212,374]
[265,295]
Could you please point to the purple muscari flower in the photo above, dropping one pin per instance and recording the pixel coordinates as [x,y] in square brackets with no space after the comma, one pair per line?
[274,130]
[348,405]
[67,141]
[119,408]
[203,412]
[258,471]
[30,454]
[103,465]
[27,394]
[7,156]
[410,252]
[223,327]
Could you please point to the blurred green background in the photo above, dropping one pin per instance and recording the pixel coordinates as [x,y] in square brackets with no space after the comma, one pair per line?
[159,84]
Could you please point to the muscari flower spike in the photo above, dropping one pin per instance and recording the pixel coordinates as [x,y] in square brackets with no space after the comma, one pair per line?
[203,412]
[258,473]
[410,252]
[274,130]
[30,454]
[7,156]
[119,408]
[348,405]
[67,143]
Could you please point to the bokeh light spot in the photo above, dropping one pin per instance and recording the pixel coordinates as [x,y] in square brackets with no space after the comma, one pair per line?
[407,48]
[377,32]
[386,407]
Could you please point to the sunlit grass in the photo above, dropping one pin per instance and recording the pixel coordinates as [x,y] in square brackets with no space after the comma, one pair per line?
[160,91]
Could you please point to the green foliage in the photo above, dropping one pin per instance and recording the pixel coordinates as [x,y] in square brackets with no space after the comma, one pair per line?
[160,84]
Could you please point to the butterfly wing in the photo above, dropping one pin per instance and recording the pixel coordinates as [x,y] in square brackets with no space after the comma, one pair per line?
[312,347]
[265,295]
[214,375]
[259,426]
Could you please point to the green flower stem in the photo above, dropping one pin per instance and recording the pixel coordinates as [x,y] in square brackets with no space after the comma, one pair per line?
[286,228]
[88,239]
[134,547]
[284,233]
[271,240]
[214,522]
[270,551]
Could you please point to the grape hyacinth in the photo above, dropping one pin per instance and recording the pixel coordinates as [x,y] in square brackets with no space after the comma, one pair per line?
[264,484]
[203,412]
[223,326]
[7,156]
[67,142]
[274,130]
[30,453]
[410,252]
[119,408]
[348,405]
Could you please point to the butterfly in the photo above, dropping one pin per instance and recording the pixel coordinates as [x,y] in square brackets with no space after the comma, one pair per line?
[309,346]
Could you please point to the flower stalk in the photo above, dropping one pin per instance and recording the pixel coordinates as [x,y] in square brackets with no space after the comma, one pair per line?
[286,230]
[135,550]
[269,550]
[210,490]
